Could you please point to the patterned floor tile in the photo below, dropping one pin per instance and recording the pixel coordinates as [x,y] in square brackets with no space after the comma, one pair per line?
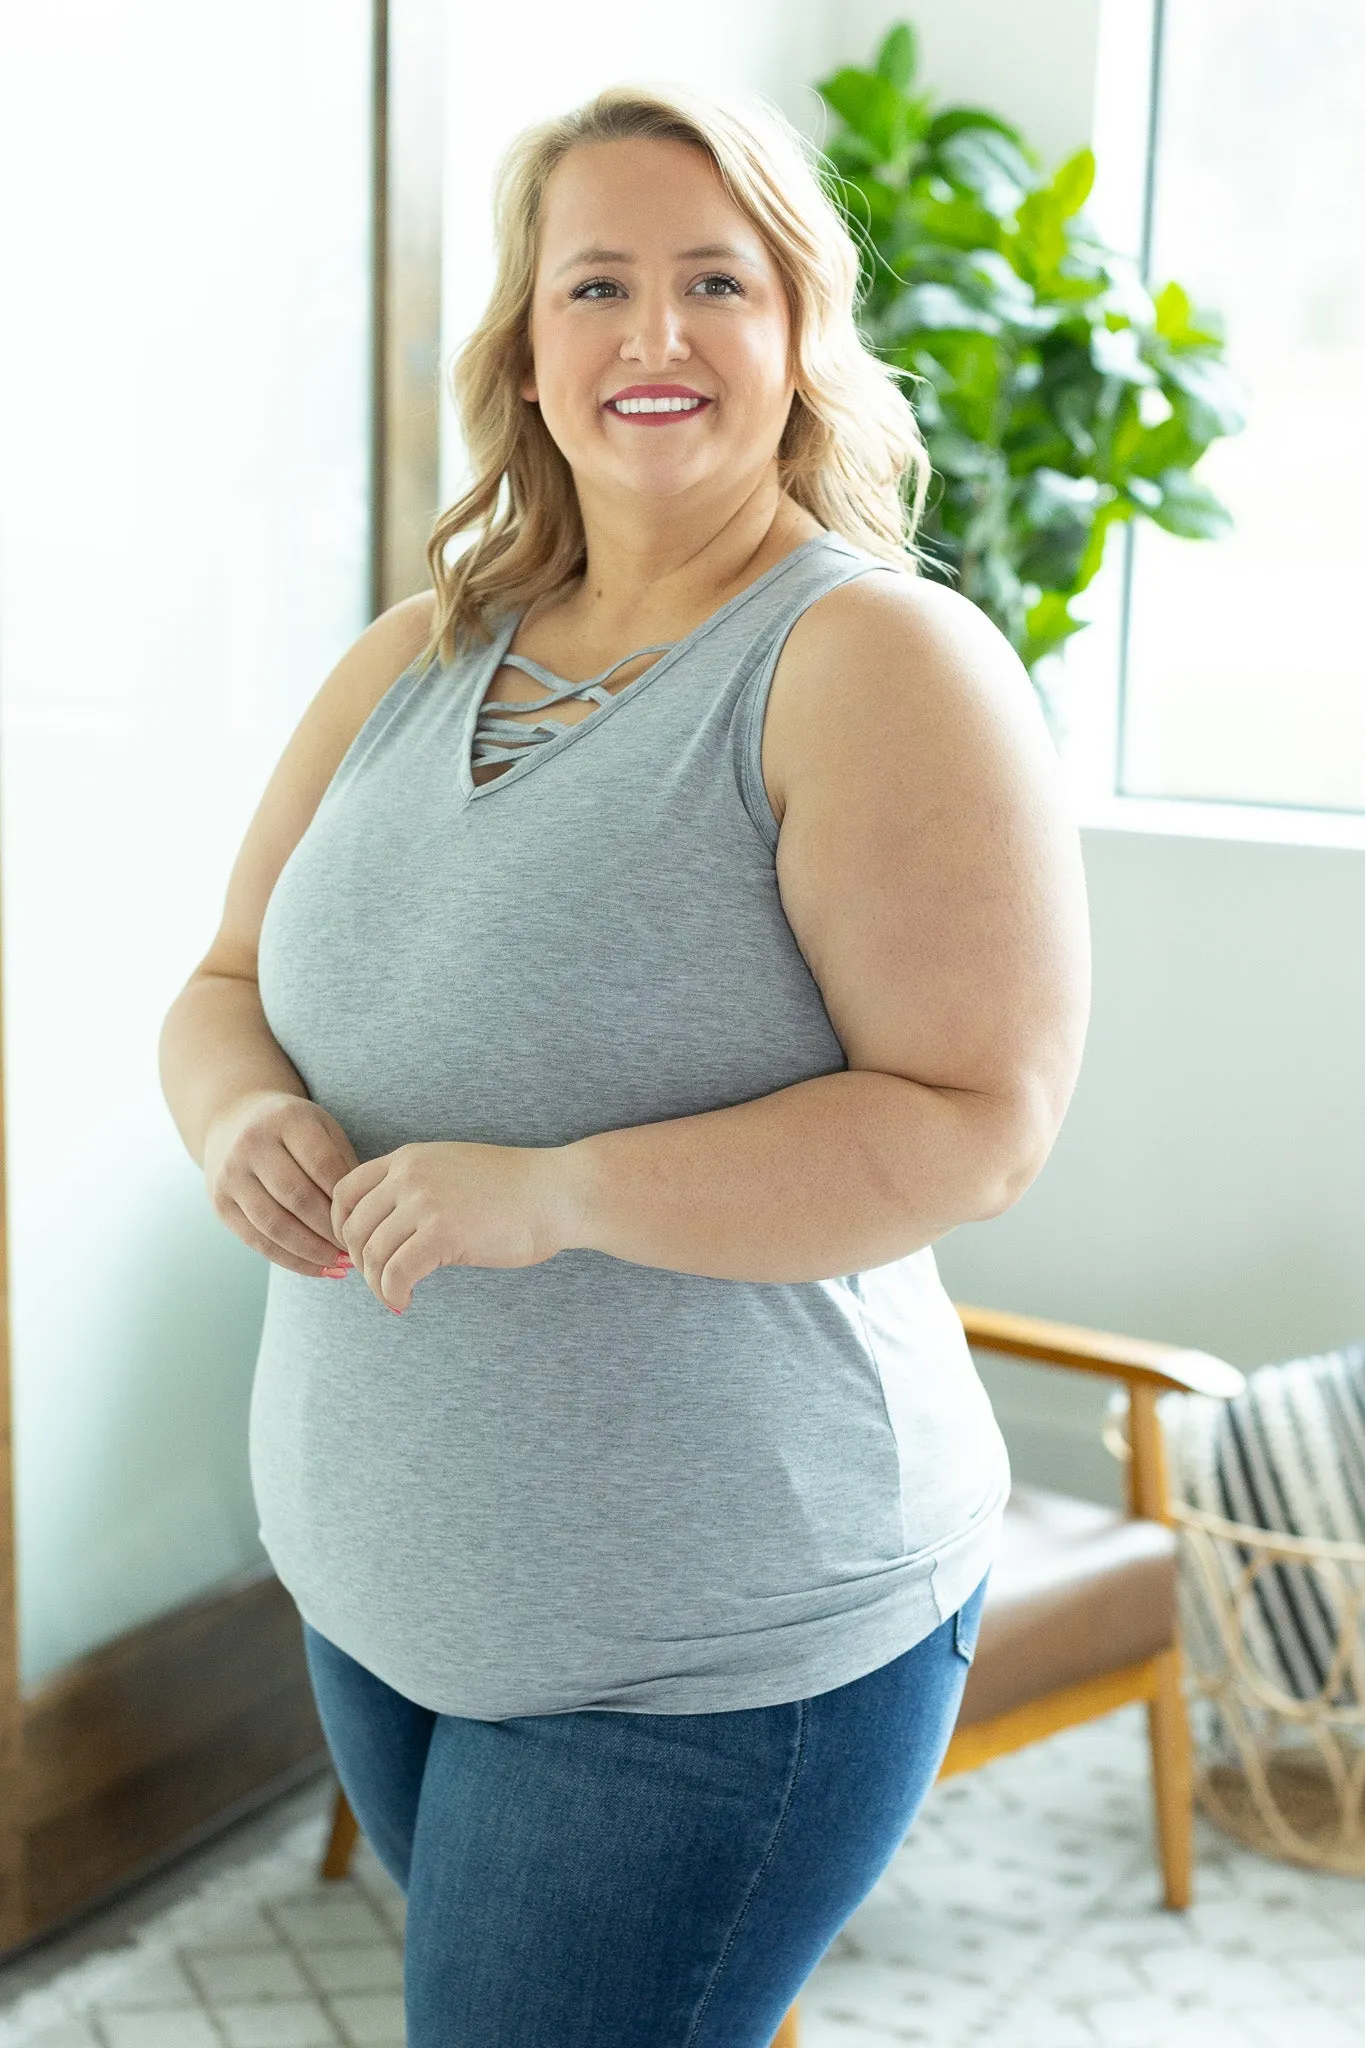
[340,1914]
[66,2034]
[169,2029]
[1304,2026]
[370,2019]
[371,1967]
[247,1974]
[149,1980]
[280,2023]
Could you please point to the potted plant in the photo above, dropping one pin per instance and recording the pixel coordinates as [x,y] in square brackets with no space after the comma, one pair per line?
[1057,396]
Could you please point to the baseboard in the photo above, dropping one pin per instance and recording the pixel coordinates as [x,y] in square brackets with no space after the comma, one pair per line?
[139,1751]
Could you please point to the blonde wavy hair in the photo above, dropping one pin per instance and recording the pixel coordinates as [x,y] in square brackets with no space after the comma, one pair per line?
[851,438]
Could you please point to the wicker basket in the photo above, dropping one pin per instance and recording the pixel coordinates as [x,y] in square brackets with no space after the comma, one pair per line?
[1283,1773]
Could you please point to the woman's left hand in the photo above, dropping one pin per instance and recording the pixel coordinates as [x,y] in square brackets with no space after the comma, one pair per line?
[422,1206]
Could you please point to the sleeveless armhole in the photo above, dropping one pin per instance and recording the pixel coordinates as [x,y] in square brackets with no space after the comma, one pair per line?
[753,707]
[387,708]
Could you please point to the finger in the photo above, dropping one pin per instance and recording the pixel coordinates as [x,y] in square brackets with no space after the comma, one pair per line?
[364,1218]
[390,1266]
[239,1222]
[350,1190]
[278,1225]
[281,1176]
[318,1152]
[415,1258]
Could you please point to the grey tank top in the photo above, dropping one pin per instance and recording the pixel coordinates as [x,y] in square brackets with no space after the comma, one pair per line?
[591,1483]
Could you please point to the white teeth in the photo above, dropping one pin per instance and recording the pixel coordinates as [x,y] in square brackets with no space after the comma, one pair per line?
[655,404]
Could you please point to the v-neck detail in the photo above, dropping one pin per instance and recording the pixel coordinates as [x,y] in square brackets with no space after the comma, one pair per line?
[537,753]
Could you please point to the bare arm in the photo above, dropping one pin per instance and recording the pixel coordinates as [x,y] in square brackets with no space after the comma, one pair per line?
[221,1066]
[216,1050]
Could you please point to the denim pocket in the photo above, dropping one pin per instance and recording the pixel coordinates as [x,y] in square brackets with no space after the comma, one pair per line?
[967,1623]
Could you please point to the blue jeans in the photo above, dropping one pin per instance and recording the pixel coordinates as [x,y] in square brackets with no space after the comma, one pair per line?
[608,1880]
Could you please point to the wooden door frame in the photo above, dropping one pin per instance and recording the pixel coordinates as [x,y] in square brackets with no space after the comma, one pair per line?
[120,1762]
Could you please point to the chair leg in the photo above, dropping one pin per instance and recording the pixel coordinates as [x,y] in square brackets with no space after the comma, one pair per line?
[786,2035]
[1168,1729]
[345,1828]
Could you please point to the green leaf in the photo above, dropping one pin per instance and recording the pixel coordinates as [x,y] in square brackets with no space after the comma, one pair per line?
[957,455]
[1072,183]
[1048,623]
[1049,497]
[897,56]
[1053,514]
[1189,507]
[1114,352]
[989,166]
[873,109]
[1073,407]
[1040,242]
[1214,391]
[1110,513]
[953,119]
[1146,453]
[1048,613]
[936,306]
[850,155]
[955,222]
[1175,319]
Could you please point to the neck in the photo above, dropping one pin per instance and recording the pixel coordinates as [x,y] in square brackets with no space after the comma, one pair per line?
[660,563]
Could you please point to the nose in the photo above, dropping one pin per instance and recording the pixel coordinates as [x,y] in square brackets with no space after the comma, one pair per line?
[658,332]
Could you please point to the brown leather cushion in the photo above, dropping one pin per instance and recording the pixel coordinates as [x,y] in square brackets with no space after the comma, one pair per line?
[1076,1589]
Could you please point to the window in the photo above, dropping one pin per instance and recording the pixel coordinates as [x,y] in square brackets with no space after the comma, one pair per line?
[1241,664]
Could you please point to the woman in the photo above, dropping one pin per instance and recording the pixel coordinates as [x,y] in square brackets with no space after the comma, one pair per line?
[634,1055]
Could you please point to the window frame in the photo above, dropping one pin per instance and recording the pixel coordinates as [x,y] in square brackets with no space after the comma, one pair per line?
[1094,682]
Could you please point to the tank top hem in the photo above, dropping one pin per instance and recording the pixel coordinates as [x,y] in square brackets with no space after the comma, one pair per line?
[817,1655]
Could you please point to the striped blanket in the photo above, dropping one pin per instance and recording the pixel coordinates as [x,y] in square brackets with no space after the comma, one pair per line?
[1288,1454]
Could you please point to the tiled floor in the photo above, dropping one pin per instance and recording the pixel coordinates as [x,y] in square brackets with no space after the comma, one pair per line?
[1022,1908]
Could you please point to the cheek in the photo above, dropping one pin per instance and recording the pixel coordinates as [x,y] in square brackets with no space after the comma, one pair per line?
[760,372]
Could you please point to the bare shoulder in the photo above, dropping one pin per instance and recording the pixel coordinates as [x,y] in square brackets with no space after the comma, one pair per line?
[338,709]
[907,663]
[929,861]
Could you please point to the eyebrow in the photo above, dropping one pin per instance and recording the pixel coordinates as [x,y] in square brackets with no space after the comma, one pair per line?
[709,249]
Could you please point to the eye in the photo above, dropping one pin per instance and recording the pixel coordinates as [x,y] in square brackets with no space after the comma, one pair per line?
[595,285]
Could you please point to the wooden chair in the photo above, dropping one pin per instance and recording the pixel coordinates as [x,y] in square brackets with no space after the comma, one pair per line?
[1080,1611]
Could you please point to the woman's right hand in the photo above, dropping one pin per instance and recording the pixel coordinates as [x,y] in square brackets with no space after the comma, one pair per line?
[271,1162]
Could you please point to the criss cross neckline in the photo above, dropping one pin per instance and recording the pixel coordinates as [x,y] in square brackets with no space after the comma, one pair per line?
[591,687]
[521,759]
[506,739]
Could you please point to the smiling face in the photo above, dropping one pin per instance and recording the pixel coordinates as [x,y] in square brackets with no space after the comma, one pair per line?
[651,280]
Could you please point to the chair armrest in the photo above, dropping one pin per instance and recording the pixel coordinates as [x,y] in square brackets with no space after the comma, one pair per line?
[1139,1361]
[1146,1367]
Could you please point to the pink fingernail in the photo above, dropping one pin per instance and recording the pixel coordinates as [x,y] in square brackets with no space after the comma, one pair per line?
[392,1310]
[335,1272]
